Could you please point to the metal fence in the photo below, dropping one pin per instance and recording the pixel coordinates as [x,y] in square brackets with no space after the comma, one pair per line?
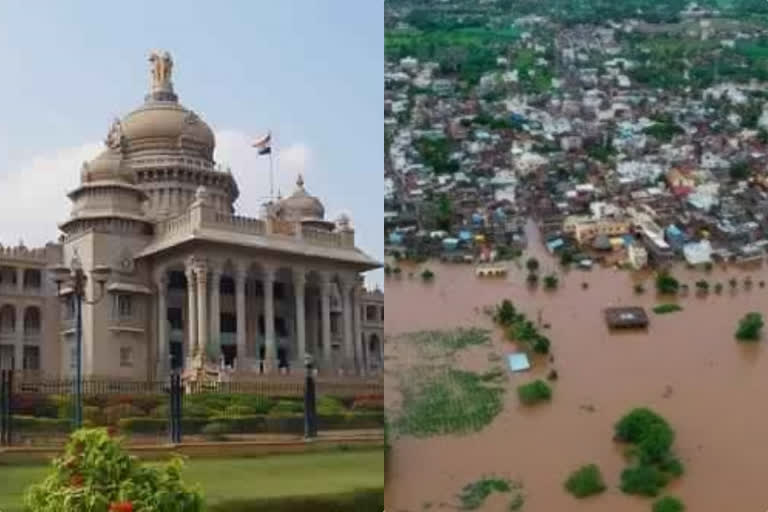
[39,411]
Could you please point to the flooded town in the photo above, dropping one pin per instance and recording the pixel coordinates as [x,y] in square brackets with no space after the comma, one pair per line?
[575,220]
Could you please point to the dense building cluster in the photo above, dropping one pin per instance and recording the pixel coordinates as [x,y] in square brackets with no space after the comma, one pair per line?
[636,139]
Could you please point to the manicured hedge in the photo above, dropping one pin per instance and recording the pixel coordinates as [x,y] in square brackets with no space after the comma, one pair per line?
[359,501]
[255,423]
[24,424]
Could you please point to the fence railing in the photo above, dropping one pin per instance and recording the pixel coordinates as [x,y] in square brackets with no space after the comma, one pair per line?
[39,411]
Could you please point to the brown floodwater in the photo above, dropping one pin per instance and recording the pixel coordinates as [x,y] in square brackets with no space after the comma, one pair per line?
[686,365]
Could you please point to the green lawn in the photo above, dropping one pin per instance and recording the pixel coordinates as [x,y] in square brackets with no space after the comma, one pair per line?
[226,480]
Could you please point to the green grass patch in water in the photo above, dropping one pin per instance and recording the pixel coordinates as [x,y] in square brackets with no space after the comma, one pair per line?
[662,309]
[452,340]
[473,495]
[446,401]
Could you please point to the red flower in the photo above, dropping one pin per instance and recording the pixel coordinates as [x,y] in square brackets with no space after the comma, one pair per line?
[112,431]
[76,480]
[124,506]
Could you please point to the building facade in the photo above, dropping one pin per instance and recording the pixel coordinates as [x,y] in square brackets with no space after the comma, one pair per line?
[191,285]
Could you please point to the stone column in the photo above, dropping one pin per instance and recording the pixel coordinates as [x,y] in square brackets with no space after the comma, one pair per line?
[240,277]
[299,281]
[163,353]
[349,342]
[202,310]
[215,306]
[191,312]
[362,360]
[20,279]
[18,355]
[270,349]
[325,313]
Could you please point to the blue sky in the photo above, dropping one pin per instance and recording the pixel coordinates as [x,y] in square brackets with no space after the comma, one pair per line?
[310,70]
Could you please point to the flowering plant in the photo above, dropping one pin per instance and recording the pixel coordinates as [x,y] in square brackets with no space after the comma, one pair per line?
[95,475]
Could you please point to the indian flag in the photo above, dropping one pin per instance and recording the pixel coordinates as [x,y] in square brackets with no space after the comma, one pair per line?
[264,144]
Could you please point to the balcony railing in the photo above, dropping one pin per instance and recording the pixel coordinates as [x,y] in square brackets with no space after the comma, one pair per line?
[192,220]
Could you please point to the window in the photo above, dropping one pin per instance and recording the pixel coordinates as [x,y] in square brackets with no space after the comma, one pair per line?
[227,286]
[281,329]
[126,357]
[31,357]
[72,355]
[370,313]
[123,305]
[279,291]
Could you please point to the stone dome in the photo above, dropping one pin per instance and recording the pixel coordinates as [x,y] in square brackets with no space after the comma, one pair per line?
[300,206]
[166,123]
[107,166]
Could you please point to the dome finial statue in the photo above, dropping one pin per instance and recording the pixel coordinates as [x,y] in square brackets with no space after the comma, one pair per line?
[300,181]
[162,66]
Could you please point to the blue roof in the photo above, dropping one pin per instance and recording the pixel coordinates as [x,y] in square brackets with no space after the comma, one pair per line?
[465,235]
[395,238]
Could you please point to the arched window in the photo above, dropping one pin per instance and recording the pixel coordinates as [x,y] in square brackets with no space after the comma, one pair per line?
[373,345]
[370,313]
[32,321]
[7,319]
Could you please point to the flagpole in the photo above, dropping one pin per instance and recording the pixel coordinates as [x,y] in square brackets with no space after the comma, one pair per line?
[271,178]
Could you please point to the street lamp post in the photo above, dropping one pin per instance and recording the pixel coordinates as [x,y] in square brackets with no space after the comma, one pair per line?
[310,418]
[75,278]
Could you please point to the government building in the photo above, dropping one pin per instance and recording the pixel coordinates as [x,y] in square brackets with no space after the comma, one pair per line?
[190,285]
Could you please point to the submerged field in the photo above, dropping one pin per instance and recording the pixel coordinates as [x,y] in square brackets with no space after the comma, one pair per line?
[687,366]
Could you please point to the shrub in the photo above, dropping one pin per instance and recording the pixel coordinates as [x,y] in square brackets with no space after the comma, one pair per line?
[93,415]
[541,345]
[750,327]
[287,406]
[26,424]
[719,288]
[215,431]
[95,472]
[473,495]
[239,410]
[702,286]
[639,288]
[505,313]
[645,480]
[668,504]
[191,410]
[160,412]
[534,392]
[666,284]
[368,404]
[532,264]
[427,275]
[662,309]
[34,404]
[634,426]
[585,481]
[113,413]
[328,405]
[532,278]
[550,282]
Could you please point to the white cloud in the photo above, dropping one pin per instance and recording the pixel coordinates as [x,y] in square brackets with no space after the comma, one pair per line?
[33,194]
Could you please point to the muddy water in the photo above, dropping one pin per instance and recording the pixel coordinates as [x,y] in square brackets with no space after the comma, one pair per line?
[687,366]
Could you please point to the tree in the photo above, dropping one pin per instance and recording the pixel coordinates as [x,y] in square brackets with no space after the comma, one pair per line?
[666,284]
[585,481]
[668,504]
[532,264]
[702,286]
[750,327]
[550,282]
[739,170]
[427,275]
[444,216]
[505,313]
